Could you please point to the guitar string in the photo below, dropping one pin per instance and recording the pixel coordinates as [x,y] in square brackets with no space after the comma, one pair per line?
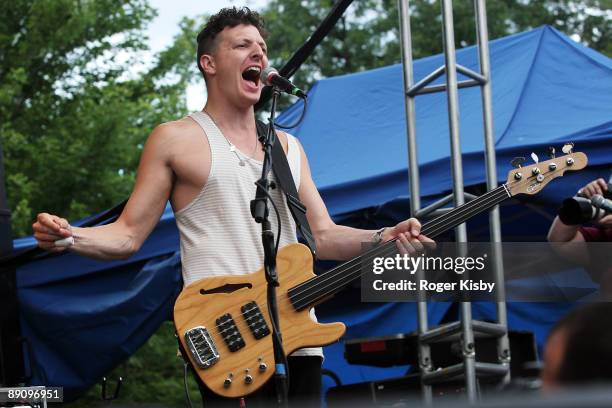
[446,216]
[330,273]
[437,228]
[345,269]
[348,270]
[312,292]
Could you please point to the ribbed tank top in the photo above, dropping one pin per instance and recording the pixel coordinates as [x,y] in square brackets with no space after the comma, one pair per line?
[218,235]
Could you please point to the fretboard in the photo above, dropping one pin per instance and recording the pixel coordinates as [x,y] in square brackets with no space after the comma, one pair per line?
[320,287]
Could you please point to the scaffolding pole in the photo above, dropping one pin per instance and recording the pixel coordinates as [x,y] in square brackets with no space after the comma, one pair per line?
[469,368]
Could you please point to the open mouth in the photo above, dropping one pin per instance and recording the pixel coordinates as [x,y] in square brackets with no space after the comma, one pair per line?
[251,74]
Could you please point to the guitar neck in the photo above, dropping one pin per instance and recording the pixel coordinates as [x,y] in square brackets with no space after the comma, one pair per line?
[320,287]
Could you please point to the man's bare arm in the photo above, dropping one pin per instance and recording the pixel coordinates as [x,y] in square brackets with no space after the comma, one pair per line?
[339,242]
[125,236]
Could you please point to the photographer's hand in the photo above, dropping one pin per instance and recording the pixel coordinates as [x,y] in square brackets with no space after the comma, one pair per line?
[605,222]
[598,186]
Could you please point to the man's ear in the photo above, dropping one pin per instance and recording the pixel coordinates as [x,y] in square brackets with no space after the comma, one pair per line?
[207,62]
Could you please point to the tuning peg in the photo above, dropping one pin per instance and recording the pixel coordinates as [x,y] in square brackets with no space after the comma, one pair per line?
[517,162]
[567,148]
[535,158]
[550,152]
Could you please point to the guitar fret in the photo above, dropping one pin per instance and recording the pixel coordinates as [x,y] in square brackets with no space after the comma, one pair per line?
[315,289]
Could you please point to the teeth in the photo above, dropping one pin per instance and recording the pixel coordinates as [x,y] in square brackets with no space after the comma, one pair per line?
[256,69]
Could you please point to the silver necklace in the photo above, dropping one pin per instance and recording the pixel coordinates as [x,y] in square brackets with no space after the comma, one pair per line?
[232,148]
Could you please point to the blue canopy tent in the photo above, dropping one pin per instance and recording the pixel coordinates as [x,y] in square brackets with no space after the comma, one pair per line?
[81,317]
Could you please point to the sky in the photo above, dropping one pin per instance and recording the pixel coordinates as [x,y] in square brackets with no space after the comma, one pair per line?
[165,26]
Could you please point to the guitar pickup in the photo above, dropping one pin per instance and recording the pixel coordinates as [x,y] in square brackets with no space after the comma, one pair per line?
[230,333]
[255,320]
[202,347]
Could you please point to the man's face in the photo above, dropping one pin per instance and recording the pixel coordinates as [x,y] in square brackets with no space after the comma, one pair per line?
[236,62]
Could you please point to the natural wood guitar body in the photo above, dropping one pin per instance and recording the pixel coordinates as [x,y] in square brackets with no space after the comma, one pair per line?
[193,309]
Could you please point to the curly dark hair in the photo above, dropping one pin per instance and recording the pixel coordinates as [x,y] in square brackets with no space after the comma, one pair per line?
[226,17]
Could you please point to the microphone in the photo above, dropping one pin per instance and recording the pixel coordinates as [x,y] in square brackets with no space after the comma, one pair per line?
[271,77]
[602,203]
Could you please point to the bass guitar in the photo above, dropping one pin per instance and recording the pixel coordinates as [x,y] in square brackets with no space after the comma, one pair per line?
[223,322]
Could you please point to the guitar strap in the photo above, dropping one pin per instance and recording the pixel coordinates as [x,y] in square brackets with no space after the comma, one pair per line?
[282,171]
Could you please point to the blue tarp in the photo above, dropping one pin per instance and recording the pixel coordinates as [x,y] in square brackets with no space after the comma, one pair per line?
[83,317]
[546,90]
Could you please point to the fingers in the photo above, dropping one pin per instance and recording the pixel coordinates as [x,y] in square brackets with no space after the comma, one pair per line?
[41,236]
[602,184]
[606,221]
[411,226]
[414,226]
[595,187]
[50,228]
[429,243]
[408,245]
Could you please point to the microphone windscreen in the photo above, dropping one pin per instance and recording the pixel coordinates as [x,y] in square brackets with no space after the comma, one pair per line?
[265,75]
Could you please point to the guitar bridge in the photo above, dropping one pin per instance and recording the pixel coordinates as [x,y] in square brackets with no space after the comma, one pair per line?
[202,347]
[255,320]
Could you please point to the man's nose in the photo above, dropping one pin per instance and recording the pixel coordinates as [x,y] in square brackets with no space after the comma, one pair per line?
[257,52]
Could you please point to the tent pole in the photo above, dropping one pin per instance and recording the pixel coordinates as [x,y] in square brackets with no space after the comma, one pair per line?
[467,325]
[452,94]
[425,365]
[503,345]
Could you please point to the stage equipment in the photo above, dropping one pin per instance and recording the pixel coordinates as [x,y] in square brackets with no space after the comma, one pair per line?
[412,89]
[271,77]
[402,349]
[223,322]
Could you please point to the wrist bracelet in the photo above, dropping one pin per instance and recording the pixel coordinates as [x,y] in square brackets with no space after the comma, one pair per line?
[377,237]
[64,242]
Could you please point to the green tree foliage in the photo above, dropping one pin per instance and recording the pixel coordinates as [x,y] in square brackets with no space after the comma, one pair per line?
[368,35]
[76,103]
[155,374]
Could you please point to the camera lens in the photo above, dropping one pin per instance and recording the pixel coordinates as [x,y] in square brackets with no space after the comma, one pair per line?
[577,210]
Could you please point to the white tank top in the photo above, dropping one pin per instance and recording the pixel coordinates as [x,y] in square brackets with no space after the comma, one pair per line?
[218,235]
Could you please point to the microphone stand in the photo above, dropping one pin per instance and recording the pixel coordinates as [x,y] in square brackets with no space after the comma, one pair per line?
[259,211]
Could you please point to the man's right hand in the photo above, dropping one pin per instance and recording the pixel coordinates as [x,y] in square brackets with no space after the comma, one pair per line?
[49,228]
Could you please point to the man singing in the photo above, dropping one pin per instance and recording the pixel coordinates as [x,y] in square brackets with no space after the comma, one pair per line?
[206,164]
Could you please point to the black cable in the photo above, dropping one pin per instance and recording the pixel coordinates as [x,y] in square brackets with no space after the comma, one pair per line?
[296,124]
[275,333]
[278,220]
[187,397]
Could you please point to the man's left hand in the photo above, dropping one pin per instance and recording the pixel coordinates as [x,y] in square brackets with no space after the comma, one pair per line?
[409,238]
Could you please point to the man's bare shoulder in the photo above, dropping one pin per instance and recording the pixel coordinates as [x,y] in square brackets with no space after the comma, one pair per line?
[282,136]
[174,135]
[176,129]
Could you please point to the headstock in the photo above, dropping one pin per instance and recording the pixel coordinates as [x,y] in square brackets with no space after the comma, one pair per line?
[532,179]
